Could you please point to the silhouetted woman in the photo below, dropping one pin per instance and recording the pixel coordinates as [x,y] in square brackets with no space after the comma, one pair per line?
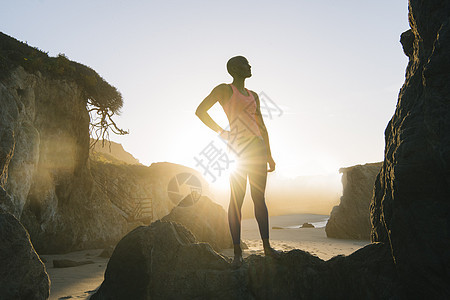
[248,138]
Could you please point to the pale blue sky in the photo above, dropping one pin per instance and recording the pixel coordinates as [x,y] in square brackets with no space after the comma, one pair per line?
[334,67]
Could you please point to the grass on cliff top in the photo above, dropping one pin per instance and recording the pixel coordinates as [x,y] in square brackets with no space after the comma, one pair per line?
[14,53]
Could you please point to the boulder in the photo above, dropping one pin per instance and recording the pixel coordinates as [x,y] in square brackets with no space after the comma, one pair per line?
[107,252]
[351,219]
[22,273]
[165,261]
[206,220]
[410,210]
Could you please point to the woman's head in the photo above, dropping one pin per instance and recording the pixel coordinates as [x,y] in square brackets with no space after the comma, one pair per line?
[238,67]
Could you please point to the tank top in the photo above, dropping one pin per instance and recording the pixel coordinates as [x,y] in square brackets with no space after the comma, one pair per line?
[241,114]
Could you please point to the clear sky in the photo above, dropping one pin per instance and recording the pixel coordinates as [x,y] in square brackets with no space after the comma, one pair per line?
[333,67]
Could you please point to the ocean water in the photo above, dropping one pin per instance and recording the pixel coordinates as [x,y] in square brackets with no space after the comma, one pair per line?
[296,220]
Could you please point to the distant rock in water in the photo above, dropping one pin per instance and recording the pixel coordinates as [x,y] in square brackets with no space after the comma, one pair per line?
[164,261]
[411,205]
[307,225]
[351,219]
[22,273]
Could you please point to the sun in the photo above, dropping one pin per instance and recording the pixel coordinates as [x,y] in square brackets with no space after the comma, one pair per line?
[222,178]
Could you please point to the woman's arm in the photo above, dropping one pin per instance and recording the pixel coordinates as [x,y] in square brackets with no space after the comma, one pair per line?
[202,110]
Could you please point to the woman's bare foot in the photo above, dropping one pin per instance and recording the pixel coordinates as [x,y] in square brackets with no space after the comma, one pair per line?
[237,262]
[269,251]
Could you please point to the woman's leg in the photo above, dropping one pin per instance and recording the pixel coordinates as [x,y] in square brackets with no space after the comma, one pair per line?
[258,177]
[238,184]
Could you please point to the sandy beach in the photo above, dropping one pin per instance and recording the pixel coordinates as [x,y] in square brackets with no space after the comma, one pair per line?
[81,281]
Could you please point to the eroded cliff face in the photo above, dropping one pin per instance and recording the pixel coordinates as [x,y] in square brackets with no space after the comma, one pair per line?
[411,206]
[125,184]
[351,219]
[44,130]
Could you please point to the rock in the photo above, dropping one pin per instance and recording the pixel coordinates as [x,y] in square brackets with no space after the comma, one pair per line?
[128,186]
[407,41]
[44,151]
[67,263]
[6,202]
[107,252]
[207,220]
[164,261]
[307,225]
[351,219]
[410,210]
[161,174]
[22,273]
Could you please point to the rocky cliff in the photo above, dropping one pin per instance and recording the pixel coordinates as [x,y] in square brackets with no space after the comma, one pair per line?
[44,130]
[351,219]
[410,210]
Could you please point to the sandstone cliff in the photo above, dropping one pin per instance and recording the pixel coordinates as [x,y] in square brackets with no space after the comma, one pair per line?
[351,219]
[410,210]
[44,128]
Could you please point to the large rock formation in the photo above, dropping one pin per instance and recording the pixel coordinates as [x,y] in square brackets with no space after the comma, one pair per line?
[411,205]
[164,261]
[22,273]
[47,175]
[44,150]
[351,219]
